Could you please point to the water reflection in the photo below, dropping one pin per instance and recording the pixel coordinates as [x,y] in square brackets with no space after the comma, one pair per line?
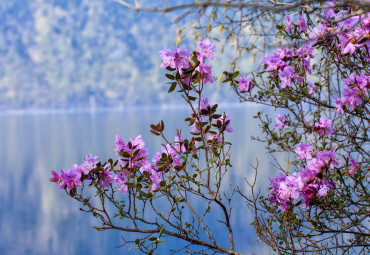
[37,218]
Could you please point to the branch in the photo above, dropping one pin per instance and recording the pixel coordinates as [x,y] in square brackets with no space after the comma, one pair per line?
[180,236]
[273,6]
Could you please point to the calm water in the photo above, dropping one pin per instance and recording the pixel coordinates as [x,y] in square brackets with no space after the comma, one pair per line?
[37,218]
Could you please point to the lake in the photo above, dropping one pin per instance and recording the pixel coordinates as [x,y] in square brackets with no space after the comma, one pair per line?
[38,218]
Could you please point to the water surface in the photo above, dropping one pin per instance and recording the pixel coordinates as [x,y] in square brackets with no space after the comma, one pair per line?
[38,218]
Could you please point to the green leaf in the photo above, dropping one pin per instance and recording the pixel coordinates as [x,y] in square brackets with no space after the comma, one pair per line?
[170,76]
[170,69]
[115,163]
[125,154]
[188,71]
[279,27]
[172,88]
[136,152]
[192,98]
[110,161]
[140,178]
[178,168]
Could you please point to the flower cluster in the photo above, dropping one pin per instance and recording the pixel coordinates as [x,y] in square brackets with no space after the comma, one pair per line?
[134,152]
[245,84]
[179,59]
[348,36]
[288,66]
[351,32]
[357,86]
[281,64]
[197,70]
[307,183]
[132,160]
[323,126]
[281,121]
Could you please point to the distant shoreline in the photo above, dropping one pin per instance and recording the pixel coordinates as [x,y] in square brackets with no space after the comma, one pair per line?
[21,112]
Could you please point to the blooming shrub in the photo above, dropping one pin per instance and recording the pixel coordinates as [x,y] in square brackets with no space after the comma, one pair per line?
[318,203]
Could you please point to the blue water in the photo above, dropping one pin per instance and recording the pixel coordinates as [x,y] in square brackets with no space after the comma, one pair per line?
[38,218]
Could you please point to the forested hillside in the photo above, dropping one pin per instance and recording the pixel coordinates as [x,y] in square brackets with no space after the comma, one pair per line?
[81,53]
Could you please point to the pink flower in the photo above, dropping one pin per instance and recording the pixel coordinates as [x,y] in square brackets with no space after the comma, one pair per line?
[146,168]
[105,177]
[89,164]
[245,84]
[121,181]
[309,191]
[284,54]
[309,174]
[315,164]
[363,83]
[325,186]
[354,166]
[366,24]
[349,23]
[286,76]
[302,23]
[119,144]
[339,105]
[289,22]
[71,178]
[275,182]
[317,32]
[182,55]
[206,71]
[304,51]
[323,191]
[155,177]
[131,147]
[205,50]
[327,157]
[350,48]
[281,121]
[204,105]
[289,188]
[351,98]
[223,120]
[168,58]
[213,140]
[324,126]
[360,83]
[56,178]
[273,62]
[178,148]
[329,13]
[311,87]
[303,151]
[350,80]
[306,64]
